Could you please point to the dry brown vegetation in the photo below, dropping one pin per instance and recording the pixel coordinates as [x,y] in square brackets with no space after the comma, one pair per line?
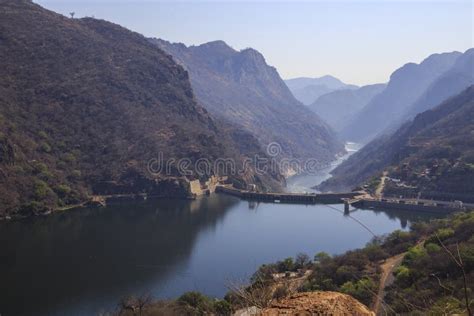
[85,102]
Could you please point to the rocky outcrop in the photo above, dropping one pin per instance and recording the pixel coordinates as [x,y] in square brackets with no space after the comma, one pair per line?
[315,303]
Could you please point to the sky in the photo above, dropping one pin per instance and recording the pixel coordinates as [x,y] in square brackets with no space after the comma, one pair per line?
[359,42]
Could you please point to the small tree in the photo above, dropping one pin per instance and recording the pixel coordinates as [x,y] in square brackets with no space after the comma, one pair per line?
[302,260]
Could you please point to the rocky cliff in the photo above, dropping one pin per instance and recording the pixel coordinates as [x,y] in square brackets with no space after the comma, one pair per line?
[239,86]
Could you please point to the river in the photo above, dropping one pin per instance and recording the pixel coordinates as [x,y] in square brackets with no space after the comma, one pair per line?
[83,261]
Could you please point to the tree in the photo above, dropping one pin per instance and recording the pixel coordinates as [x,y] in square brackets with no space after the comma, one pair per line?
[302,261]
[321,257]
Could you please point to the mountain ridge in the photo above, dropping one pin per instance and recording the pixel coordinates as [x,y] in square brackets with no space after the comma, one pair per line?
[307,90]
[405,86]
[339,106]
[240,87]
[432,155]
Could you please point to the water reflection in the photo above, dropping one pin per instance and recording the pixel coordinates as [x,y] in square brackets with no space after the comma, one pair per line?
[86,256]
[82,261]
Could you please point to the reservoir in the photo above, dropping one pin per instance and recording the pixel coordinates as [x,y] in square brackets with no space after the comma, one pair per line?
[81,262]
[84,261]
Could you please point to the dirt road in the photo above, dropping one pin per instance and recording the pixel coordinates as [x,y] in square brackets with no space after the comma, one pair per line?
[386,279]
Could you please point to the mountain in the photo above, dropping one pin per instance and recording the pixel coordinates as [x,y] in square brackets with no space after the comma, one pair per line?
[239,87]
[308,90]
[452,82]
[432,155]
[338,107]
[407,84]
[86,105]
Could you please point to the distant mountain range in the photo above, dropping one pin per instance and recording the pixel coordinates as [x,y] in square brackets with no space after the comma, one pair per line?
[451,82]
[406,87]
[239,87]
[308,90]
[339,107]
[86,104]
[431,156]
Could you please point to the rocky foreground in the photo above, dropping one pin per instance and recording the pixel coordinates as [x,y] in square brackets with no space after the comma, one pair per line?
[312,303]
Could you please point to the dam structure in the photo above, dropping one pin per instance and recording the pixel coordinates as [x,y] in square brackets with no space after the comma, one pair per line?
[357,199]
[295,198]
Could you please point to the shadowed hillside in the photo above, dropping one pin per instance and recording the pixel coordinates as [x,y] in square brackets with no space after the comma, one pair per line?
[456,79]
[86,102]
[406,85]
[241,88]
[432,155]
[340,106]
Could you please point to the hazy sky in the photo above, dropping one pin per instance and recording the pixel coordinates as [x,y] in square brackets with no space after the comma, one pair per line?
[359,42]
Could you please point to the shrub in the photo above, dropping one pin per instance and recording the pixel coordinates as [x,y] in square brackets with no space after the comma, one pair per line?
[45,147]
[41,189]
[362,290]
[43,134]
[69,157]
[62,190]
[375,252]
[322,256]
[440,234]
[46,175]
[32,208]
[40,167]
[432,247]
[263,273]
[414,253]
[286,265]
[302,261]
[345,273]
[76,175]
[222,308]
[195,303]
[280,292]
[402,275]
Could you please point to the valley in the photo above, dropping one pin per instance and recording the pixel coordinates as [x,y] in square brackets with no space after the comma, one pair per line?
[236,158]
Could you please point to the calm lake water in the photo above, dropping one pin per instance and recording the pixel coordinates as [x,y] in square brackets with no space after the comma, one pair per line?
[82,262]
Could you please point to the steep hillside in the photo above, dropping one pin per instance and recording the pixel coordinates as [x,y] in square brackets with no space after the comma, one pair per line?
[85,104]
[406,85]
[340,106]
[433,155]
[308,90]
[452,82]
[241,88]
